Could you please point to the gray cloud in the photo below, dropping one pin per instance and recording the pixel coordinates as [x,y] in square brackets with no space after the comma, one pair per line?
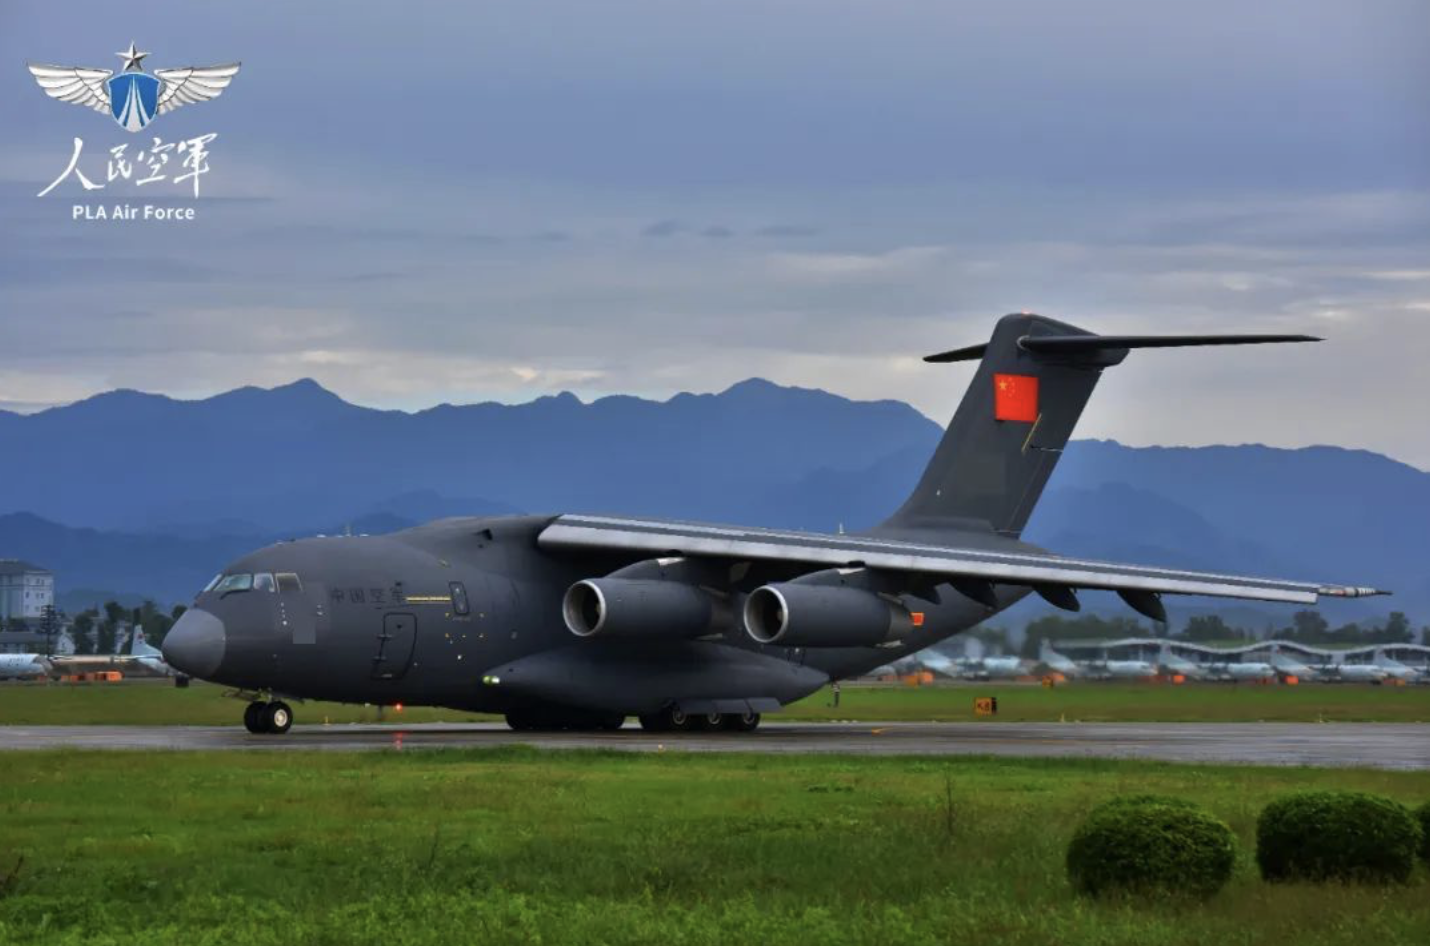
[663,228]
[486,221]
[785,230]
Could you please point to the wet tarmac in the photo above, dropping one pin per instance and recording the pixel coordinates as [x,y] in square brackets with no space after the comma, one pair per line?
[1376,745]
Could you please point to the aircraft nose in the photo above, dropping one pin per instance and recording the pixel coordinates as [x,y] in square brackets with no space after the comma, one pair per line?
[195,644]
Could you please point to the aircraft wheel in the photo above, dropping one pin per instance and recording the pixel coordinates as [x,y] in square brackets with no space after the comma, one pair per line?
[611,722]
[278,718]
[521,720]
[678,720]
[742,722]
[709,722]
[253,717]
[654,722]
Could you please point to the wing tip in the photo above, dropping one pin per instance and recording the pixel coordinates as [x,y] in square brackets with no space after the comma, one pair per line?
[1351,591]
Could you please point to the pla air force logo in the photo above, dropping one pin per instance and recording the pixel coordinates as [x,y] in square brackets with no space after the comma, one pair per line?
[134,97]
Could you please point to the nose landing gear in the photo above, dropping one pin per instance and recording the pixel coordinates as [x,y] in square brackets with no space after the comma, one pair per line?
[273,719]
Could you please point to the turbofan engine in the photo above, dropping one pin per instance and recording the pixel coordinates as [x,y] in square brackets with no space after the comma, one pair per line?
[810,612]
[659,598]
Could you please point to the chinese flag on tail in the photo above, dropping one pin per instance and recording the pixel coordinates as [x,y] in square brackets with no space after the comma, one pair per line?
[1015,397]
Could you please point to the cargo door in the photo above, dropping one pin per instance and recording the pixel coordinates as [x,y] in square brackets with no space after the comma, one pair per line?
[394,646]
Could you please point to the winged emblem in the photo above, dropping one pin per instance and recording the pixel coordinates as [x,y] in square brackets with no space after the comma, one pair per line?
[132,96]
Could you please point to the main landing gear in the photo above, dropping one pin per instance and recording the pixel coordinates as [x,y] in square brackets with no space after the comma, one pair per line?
[674,719]
[272,719]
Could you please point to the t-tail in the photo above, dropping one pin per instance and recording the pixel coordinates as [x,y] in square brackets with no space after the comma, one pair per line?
[1034,378]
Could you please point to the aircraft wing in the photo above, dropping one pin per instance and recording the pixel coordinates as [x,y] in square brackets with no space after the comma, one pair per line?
[1044,572]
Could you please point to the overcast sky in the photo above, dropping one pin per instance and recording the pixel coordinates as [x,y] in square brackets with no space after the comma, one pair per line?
[421,202]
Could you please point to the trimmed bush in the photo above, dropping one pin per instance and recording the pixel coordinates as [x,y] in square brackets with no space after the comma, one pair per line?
[1151,844]
[1348,836]
[1423,815]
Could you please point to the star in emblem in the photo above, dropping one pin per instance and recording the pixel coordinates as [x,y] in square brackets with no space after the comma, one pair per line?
[132,58]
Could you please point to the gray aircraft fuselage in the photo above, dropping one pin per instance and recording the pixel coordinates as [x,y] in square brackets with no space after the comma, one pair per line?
[377,621]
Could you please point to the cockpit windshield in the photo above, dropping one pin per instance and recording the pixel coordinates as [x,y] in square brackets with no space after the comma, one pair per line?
[260,581]
[243,582]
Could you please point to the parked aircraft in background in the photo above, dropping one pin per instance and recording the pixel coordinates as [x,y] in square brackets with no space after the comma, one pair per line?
[1124,669]
[576,621]
[1059,663]
[23,666]
[1288,666]
[151,658]
[1242,671]
[1179,666]
[1396,670]
[1355,673]
[990,668]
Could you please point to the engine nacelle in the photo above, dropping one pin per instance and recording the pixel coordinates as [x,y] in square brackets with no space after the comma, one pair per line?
[632,607]
[796,614]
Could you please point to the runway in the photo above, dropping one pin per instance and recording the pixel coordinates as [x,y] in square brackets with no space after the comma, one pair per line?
[1376,745]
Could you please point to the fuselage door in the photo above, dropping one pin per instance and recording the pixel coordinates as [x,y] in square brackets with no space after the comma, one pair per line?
[394,646]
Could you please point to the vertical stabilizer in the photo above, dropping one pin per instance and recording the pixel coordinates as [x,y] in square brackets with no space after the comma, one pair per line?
[1008,433]
[1034,378]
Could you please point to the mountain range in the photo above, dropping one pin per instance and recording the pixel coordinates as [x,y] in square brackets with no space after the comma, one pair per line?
[146,494]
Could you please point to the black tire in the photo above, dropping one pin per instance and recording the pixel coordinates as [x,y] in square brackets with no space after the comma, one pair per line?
[253,718]
[742,722]
[612,722]
[678,720]
[654,722]
[709,722]
[278,718]
[520,721]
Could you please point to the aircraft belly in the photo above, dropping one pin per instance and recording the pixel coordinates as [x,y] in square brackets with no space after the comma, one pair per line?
[642,678]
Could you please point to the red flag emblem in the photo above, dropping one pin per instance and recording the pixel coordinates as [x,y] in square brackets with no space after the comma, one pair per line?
[1015,397]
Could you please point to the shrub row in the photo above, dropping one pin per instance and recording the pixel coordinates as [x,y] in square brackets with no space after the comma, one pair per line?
[1157,844]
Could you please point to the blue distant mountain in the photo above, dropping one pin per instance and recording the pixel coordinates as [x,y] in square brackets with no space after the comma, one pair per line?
[143,493]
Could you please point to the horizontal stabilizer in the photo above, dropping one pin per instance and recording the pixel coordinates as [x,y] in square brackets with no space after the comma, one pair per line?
[1076,344]
[1092,344]
[971,353]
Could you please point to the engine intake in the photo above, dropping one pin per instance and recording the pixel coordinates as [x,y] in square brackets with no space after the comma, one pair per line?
[626,607]
[814,615]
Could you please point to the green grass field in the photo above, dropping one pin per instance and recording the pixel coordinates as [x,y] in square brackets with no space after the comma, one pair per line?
[156,703]
[520,846]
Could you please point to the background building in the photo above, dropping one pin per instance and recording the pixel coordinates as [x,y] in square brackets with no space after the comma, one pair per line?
[25,590]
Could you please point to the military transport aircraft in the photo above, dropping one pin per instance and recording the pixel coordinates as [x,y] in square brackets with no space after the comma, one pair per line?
[577,621]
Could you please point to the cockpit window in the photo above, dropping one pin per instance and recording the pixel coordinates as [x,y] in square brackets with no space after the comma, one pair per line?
[460,605]
[234,583]
[263,581]
[287,581]
[213,581]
